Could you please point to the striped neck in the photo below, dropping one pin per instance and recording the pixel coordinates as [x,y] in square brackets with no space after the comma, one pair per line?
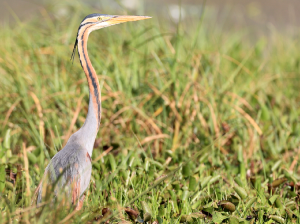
[91,125]
[93,82]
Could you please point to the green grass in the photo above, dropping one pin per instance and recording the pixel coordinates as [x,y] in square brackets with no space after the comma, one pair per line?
[214,111]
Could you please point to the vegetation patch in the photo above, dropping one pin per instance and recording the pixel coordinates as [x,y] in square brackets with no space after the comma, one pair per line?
[198,125]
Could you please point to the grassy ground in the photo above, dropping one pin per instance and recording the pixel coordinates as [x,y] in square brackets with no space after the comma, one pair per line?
[199,125]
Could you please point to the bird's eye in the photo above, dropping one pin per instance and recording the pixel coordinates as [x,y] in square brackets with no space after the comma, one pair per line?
[99,18]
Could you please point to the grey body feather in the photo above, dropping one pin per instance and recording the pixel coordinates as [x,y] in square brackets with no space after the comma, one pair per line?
[72,164]
[69,166]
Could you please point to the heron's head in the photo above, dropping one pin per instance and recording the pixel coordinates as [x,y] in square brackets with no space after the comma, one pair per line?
[97,21]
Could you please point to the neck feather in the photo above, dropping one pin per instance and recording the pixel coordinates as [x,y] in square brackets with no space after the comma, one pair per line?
[90,128]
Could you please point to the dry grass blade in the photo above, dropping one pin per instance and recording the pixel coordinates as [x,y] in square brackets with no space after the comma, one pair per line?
[171,104]
[169,45]
[10,111]
[228,137]
[103,154]
[68,217]
[28,209]
[148,120]
[145,127]
[40,114]
[186,89]
[145,100]
[295,161]
[113,117]
[158,111]
[154,137]
[75,116]
[241,99]
[251,142]
[31,148]
[237,63]
[176,135]
[224,151]
[213,116]
[249,118]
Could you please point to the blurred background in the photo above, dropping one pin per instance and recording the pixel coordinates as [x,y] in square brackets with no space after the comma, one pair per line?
[260,16]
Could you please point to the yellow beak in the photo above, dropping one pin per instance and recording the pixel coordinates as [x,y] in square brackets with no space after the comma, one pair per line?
[123,19]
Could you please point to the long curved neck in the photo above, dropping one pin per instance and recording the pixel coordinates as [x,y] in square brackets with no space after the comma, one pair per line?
[91,125]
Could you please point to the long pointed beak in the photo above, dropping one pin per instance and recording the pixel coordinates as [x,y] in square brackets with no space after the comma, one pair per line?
[123,19]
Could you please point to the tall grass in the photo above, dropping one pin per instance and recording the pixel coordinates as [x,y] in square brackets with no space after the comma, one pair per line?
[221,107]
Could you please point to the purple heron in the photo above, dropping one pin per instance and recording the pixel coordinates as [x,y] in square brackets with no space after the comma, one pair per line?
[69,171]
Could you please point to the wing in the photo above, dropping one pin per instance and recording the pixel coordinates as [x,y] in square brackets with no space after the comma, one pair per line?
[69,171]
